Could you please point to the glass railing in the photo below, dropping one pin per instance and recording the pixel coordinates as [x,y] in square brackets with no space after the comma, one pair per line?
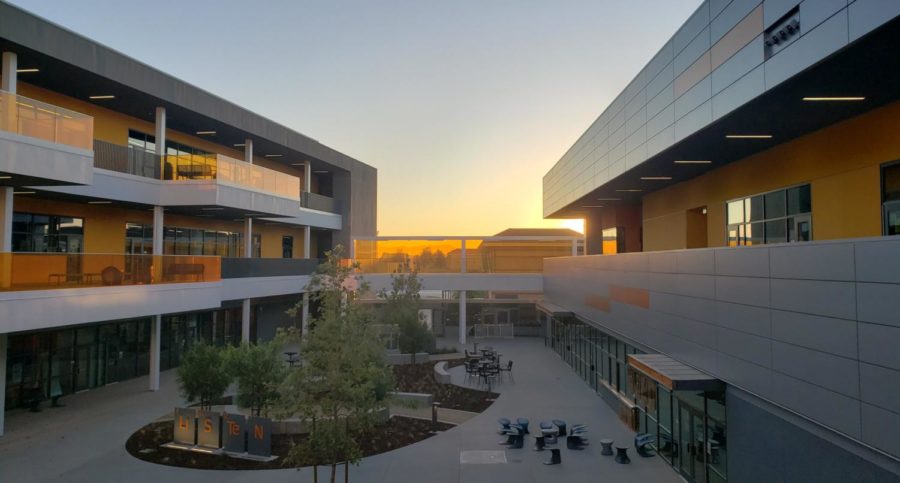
[229,170]
[315,201]
[42,271]
[36,119]
[446,255]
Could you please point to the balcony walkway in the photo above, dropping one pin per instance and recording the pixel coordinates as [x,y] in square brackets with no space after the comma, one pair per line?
[84,441]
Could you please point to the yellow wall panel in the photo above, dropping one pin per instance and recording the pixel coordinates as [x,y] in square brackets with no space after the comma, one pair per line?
[666,232]
[852,205]
[841,162]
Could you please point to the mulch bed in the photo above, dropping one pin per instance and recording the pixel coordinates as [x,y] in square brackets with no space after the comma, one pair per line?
[145,445]
[420,378]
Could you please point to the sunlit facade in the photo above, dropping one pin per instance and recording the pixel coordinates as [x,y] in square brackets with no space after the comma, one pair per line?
[140,215]
[740,198]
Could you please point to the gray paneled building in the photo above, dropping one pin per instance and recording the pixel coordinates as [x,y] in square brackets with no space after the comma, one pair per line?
[742,300]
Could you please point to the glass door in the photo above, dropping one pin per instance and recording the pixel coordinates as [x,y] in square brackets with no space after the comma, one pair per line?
[800,228]
[691,442]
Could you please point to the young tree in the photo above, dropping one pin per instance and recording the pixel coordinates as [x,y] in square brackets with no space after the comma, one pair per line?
[402,310]
[258,369]
[343,379]
[202,376]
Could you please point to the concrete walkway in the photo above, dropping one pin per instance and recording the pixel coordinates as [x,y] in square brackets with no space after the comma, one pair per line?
[84,441]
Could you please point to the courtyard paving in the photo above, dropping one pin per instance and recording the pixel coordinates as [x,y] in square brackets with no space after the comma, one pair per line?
[84,441]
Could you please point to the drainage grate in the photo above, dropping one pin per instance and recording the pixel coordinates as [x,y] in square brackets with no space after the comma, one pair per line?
[482,457]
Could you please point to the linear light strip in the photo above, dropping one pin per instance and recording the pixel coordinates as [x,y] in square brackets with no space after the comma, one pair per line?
[835,99]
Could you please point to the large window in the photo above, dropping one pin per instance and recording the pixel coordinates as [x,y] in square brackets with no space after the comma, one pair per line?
[182,161]
[188,241]
[47,233]
[613,240]
[890,197]
[776,217]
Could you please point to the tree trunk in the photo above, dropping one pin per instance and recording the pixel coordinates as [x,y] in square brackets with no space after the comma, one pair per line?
[346,472]
[333,471]
[315,457]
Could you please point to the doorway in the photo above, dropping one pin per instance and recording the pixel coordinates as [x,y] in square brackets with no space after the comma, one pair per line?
[695,228]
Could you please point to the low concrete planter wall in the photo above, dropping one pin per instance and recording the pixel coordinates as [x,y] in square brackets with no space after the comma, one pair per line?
[441,376]
[396,359]
[422,400]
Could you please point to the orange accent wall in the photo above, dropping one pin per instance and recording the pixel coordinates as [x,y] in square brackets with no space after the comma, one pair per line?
[841,162]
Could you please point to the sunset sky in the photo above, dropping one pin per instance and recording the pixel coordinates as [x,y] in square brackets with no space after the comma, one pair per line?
[461,105]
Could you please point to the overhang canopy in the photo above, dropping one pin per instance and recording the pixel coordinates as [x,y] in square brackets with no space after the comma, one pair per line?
[672,374]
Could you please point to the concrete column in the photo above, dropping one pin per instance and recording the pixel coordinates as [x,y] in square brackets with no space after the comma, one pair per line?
[304,313]
[4,343]
[462,317]
[248,237]
[155,343]
[6,219]
[245,320]
[161,140]
[462,257]
[9,80]
[248,151]
[307,177]
[575,248]
[158,223]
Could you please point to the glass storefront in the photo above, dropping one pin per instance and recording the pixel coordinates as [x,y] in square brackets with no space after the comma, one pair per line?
[48,364]
[689,426]
[595,355]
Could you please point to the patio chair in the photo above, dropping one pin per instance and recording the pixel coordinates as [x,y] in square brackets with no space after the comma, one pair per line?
[508,369]
[576,439]
[561,425]
[504,425]
[642,443]
[550,439]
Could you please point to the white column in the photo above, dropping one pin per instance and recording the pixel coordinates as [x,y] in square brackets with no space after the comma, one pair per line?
[10,64]
[4,342]
[307,177]
[575,247]
[155,341]
[462,317]
[6,218]
[245,320]
[161,139]
[158,223]
[462,257]
[248,151]
[248,237]
[307,249]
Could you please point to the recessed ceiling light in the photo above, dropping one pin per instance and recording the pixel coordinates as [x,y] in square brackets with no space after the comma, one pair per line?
[690,161]
[592,206]
[609,199]
[748,136]
[106,96]
[274,155]
[298,164]
[99,202]
[656,178]
[632,190]
[239,145]
[27,71]
[24,192]
[206,133]
[320,171]
[835,99]
[212,209]
[5,177]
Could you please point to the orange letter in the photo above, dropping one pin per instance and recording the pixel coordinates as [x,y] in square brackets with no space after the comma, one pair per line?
[207,425]
[182,423]
[257,431]
[233,428]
